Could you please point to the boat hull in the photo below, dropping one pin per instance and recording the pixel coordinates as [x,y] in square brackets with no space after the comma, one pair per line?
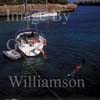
[41,16]
[31,51]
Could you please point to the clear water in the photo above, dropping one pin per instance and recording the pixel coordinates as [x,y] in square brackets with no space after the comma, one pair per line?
[68,45]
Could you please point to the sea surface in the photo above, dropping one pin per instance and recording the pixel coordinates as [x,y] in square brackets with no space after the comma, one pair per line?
[75,43]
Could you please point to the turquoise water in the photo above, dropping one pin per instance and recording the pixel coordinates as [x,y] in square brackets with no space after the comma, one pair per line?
[76,42]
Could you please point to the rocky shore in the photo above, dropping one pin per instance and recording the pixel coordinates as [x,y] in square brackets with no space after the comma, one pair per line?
[37,7]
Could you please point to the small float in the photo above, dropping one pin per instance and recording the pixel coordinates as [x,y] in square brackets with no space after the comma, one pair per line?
[12,54]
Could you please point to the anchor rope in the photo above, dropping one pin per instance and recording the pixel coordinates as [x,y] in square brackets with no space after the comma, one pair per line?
[53,92]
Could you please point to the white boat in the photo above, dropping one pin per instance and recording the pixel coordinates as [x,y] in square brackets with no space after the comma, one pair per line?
[42,15]
[30,43]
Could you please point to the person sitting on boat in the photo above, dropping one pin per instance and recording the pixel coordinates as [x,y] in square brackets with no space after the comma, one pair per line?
[21,41]
[32,34]
[32,41]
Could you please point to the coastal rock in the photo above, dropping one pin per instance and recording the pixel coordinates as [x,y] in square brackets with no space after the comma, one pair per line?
[37,7]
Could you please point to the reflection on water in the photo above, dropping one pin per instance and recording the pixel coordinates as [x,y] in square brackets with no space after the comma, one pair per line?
[31,65]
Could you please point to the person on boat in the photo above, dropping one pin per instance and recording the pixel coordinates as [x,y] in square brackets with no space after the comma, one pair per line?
[32,41]
[32,34]
[21,41]
[42,51]
[36,42]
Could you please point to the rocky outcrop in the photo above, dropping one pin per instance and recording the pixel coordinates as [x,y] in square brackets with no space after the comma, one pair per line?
[38,7]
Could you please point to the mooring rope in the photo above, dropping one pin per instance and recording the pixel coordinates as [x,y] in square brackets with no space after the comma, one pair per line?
[53,92]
